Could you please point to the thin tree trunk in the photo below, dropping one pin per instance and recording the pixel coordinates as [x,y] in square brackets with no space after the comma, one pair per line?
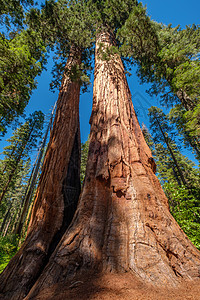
[49,209]
[27,220]
[5,188]
[122,223]
[7,225]
[185,100]
[16,217]
[172,154]
[13,171]
[4,169]
[23,198]
[23,214]
[176,176]
[5,218]
[189,105]
[195,144]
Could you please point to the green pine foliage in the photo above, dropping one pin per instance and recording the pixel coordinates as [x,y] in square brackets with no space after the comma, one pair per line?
[178,72]
[185,208]
[13,199]
[8,248]
[168,58]
[178,59]
[12,11]
[88,17]
[60,35]
[14,179]
[84,157]
[22,58]
[138,38]
[179,116]
[23,141]
[184,198]
[9,214]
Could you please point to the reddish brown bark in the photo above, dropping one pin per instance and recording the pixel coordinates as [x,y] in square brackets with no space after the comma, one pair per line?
[57,193]
[122,222]
[26,202]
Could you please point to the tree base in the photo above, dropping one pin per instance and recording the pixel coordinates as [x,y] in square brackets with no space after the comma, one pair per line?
[116,286]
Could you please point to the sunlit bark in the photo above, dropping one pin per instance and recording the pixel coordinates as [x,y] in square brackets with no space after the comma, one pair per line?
[57,193]
[122,223]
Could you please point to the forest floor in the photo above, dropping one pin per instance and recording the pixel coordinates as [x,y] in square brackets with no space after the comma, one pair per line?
[118,287]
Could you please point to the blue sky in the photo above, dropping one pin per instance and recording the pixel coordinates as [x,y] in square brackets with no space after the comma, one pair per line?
[169,11]
[174,11]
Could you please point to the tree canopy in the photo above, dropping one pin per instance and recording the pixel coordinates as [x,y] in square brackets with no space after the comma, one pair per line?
[22,59]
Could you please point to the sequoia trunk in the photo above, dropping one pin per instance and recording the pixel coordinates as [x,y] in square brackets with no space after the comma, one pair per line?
[32,181]
[122,222]
[57,193]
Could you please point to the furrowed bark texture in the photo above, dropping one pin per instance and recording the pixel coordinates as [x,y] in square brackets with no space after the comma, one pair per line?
[26,202]
[57,194]
[122,222]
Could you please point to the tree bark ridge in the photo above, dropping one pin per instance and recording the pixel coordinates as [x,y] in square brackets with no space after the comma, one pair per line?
[49,206]
[122,222]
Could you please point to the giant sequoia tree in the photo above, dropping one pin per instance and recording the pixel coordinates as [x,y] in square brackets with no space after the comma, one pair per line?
[122,222]
[59,186]
[53,199]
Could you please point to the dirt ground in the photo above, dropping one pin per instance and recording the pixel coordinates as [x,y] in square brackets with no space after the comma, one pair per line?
[117,287]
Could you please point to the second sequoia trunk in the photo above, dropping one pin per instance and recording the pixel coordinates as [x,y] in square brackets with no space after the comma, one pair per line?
[122,222]
[57,193]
